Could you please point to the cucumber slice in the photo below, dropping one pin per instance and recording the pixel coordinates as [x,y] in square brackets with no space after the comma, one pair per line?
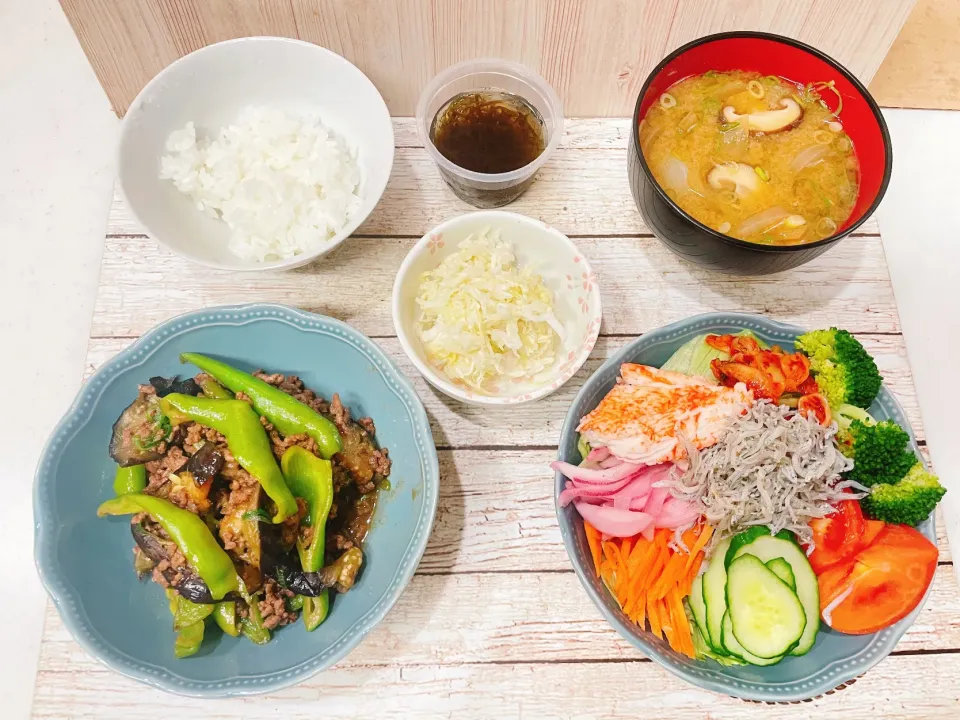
[768,548]
[715,595]
[781,568]
[737,650]
[766,615]
[748,536]
[698,606]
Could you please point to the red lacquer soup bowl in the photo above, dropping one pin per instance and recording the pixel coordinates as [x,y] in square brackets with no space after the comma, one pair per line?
[769,55]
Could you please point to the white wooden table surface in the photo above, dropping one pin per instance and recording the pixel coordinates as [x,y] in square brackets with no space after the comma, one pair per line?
[495,624]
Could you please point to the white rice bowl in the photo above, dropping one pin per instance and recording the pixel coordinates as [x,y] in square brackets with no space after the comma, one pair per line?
[284,184]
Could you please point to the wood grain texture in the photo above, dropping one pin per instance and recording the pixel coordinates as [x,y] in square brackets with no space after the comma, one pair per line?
[922,69]
[902,686]
[596,53]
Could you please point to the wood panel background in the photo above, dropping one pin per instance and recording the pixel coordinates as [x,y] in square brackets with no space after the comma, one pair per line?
[922,69]
[596,53]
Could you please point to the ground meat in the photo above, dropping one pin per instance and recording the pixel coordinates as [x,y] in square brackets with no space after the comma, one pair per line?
[147,389]
[339,542]
[159,471]
[243,396]
[367,424]
[273,607]
[281,444]
[293,386]
[195,434]
[290,527]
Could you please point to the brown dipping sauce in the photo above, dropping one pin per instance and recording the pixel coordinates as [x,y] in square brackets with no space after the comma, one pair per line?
[488,132]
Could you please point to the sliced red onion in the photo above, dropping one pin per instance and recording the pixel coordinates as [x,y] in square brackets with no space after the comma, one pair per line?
[655,502]
[575,491]
[598,454]
[675,513]
[595,477]
[610,462]
[628,502]
[614,521]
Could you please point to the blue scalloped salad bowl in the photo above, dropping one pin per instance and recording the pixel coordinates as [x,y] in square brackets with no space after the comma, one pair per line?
[85,561]
[835,658]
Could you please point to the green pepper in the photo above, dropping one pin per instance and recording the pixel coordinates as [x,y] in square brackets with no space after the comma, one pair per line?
[189,532]
[294,604]
[288,415]
[190,613]
[225,615]
[315,610]
[189,640]
[132,479]
[310,478]
[212,389]
[246,438]
[252,626]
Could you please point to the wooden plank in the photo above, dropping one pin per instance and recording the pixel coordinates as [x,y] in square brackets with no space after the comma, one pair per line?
[593,155]
[540,423]
[596,54]
[922,69]
[902,686]
[547,616]
[643,286]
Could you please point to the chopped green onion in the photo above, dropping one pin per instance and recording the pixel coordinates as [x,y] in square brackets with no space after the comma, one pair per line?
[259,514]
[762,173]
[726,127]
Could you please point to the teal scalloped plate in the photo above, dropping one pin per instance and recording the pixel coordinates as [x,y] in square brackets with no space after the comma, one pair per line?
[85,561]
[835,658]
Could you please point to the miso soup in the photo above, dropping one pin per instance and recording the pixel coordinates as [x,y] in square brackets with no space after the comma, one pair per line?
[757,158]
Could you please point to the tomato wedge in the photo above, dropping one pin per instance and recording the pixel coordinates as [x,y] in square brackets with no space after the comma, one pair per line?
[881,585]
[837,537]
[871,529]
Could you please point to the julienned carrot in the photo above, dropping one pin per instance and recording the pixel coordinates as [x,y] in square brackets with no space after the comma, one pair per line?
[649,579]
[593,540]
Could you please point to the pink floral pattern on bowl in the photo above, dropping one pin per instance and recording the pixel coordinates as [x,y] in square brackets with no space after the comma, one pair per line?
[565,270]
[435,242]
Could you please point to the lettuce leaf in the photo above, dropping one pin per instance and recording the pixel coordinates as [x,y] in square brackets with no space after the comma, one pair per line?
[694,356]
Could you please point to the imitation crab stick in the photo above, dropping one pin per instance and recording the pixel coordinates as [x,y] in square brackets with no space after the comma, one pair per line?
[650,577]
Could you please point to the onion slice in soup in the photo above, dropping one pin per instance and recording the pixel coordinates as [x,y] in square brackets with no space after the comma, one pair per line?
[762,221]
[809,156]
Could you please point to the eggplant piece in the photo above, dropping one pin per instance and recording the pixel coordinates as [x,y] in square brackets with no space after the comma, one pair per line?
[189,585]
[166,386]
[357,455]
[240,525]
[205,464]
[139,430]
[284,566]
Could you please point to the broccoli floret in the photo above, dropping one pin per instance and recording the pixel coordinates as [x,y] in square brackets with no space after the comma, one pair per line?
[880,450]
[909,501]
[844,371]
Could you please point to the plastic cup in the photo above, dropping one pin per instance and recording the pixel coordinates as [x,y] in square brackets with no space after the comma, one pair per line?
[488,190]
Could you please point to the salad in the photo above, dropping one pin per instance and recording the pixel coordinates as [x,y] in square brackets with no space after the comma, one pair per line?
[741,496]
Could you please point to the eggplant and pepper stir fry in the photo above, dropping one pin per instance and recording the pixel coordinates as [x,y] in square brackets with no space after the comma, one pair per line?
[251,498]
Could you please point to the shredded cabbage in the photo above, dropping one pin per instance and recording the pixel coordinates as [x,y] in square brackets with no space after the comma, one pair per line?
[483,319]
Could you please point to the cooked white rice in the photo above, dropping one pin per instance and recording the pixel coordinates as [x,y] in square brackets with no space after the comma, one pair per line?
[284,184]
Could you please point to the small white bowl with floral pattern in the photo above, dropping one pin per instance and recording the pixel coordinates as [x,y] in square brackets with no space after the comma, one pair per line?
[565,271]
